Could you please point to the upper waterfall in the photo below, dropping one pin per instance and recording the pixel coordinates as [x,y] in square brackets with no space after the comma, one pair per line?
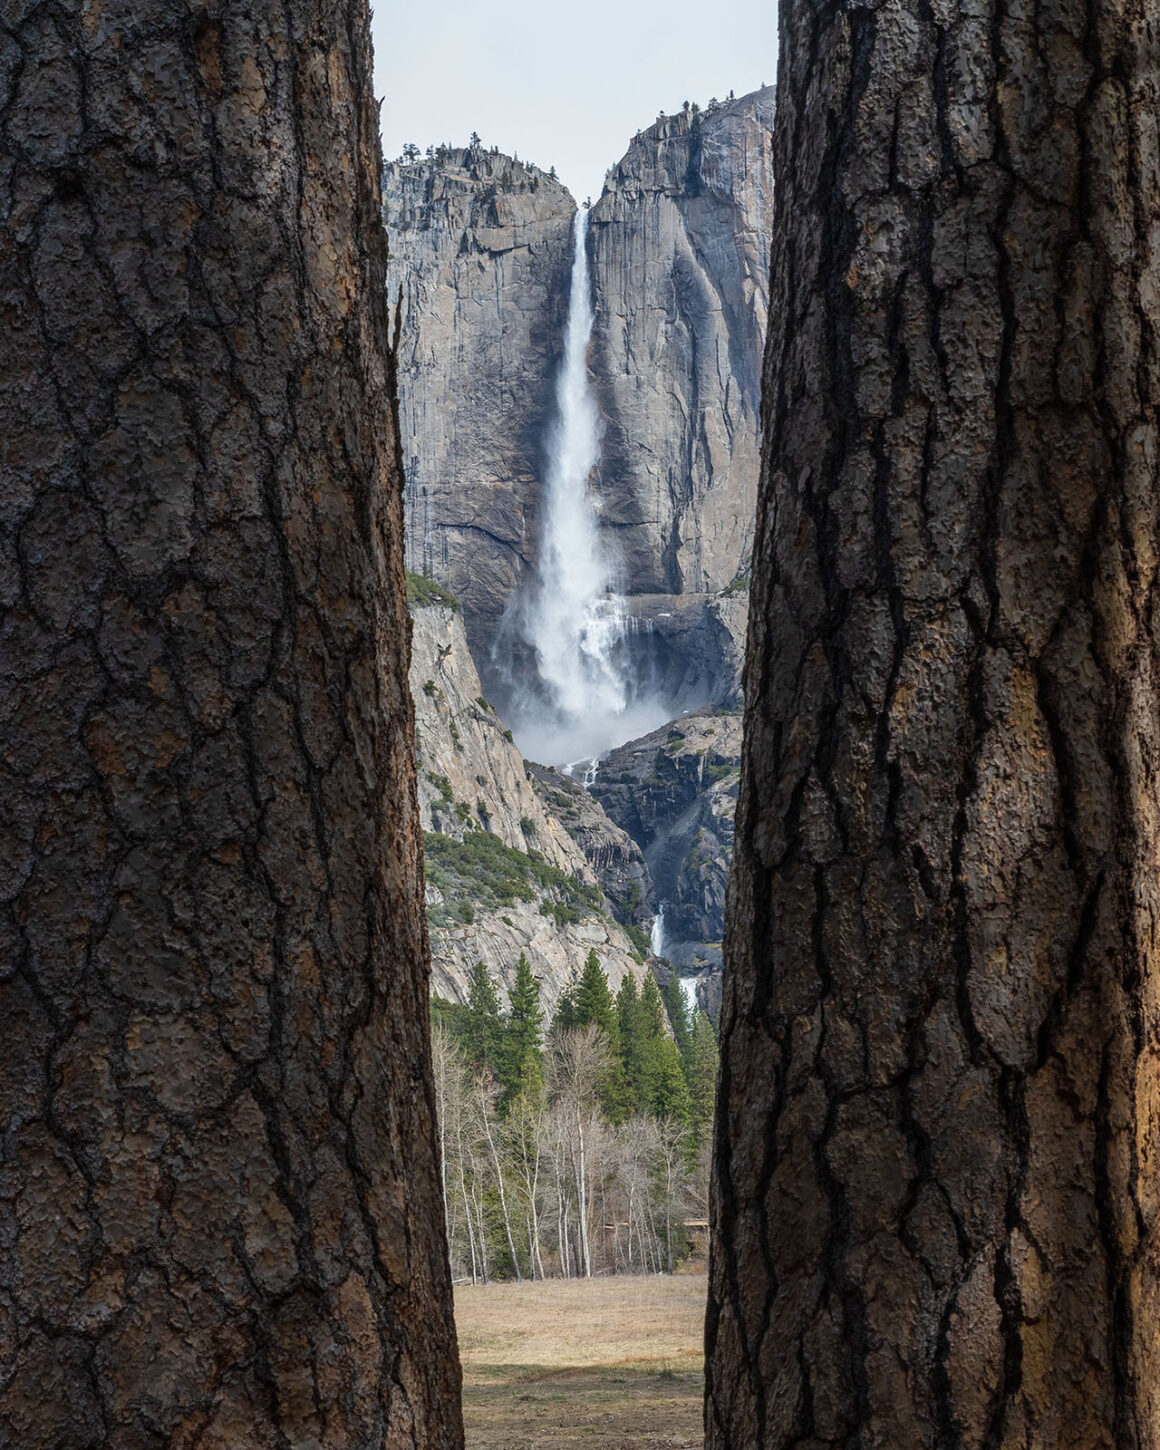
[580,702]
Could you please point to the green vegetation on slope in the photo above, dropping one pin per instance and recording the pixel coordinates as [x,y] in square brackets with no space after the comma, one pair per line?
[423,592]
[480,871]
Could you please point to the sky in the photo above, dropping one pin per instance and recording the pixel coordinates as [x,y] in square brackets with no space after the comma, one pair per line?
[560,85]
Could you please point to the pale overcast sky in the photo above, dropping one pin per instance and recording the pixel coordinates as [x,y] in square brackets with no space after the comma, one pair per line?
[561,86]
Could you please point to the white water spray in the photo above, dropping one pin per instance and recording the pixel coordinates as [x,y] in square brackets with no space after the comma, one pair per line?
[689,988]
[574,621]
[656,937]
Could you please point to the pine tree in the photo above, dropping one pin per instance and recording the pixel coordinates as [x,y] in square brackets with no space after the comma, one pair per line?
[666,1091]
[701,1075]
[564,1017]
[213,961]
[678,1014]
[482,1027]
[652,1008]
[648,1054]
[519,1058]
[949,812]
[628,1023]
[595,1007]
[593,998]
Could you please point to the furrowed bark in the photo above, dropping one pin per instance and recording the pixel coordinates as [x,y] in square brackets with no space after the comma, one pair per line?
[935,1207]
[220,1215]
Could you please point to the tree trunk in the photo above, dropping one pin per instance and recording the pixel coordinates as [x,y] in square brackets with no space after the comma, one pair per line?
[470,1223]
[936,1177]
[507,1223]
[222,1221]
[582,1195]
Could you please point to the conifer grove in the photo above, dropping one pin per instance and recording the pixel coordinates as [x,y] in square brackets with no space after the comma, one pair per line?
[577,1146]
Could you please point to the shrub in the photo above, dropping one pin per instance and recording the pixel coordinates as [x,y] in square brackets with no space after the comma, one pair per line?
[423,592]
[443,786]
[721,770]
[639,939]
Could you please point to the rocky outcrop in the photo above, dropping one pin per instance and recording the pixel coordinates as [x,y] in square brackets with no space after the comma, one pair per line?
[689,649]
[471,774]
[481,249]
[680,260]
[613,855]
[675,792]
[516,862]
[556,952]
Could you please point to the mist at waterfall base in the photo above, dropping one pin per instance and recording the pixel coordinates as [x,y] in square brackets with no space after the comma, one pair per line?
[575,698]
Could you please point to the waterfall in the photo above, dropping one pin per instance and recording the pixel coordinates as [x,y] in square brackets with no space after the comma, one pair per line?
[656,937]
[689,988]
[580,704]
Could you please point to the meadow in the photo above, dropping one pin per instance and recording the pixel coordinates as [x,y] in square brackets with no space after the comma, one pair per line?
[609,1363]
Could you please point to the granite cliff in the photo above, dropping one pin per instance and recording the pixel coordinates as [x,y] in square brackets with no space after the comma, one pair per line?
[674,792]
[680,267]
[481,248]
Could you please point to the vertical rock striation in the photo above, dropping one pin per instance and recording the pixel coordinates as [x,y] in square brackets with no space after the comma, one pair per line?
[937,1193]
[481,251]
[680,261]
[220,1214]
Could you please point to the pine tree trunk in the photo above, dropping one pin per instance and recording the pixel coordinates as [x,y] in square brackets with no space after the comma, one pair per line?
[221,1216]
[936,1188]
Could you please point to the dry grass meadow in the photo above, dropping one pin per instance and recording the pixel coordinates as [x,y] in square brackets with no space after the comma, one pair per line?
[609,1364]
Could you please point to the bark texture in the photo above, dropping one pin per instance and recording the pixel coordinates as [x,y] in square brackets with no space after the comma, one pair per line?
[220,1222]
[937,1189]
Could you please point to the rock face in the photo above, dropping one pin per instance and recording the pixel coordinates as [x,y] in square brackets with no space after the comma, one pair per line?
[680,260]
[611,852]
[505,874]
[481,250]
[471,773]
[556,952]
[675,792]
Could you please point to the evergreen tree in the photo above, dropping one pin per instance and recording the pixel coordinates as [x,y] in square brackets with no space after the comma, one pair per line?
[482,1028]
[642,1048]
[213,958]
[701,1075]
[652,1008]
[595,1007]
[628,1041]
[448,1015]
[564,1016]
[666,1091]
[678,1013]
[971,1257]
[593,998]
[519,1066]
